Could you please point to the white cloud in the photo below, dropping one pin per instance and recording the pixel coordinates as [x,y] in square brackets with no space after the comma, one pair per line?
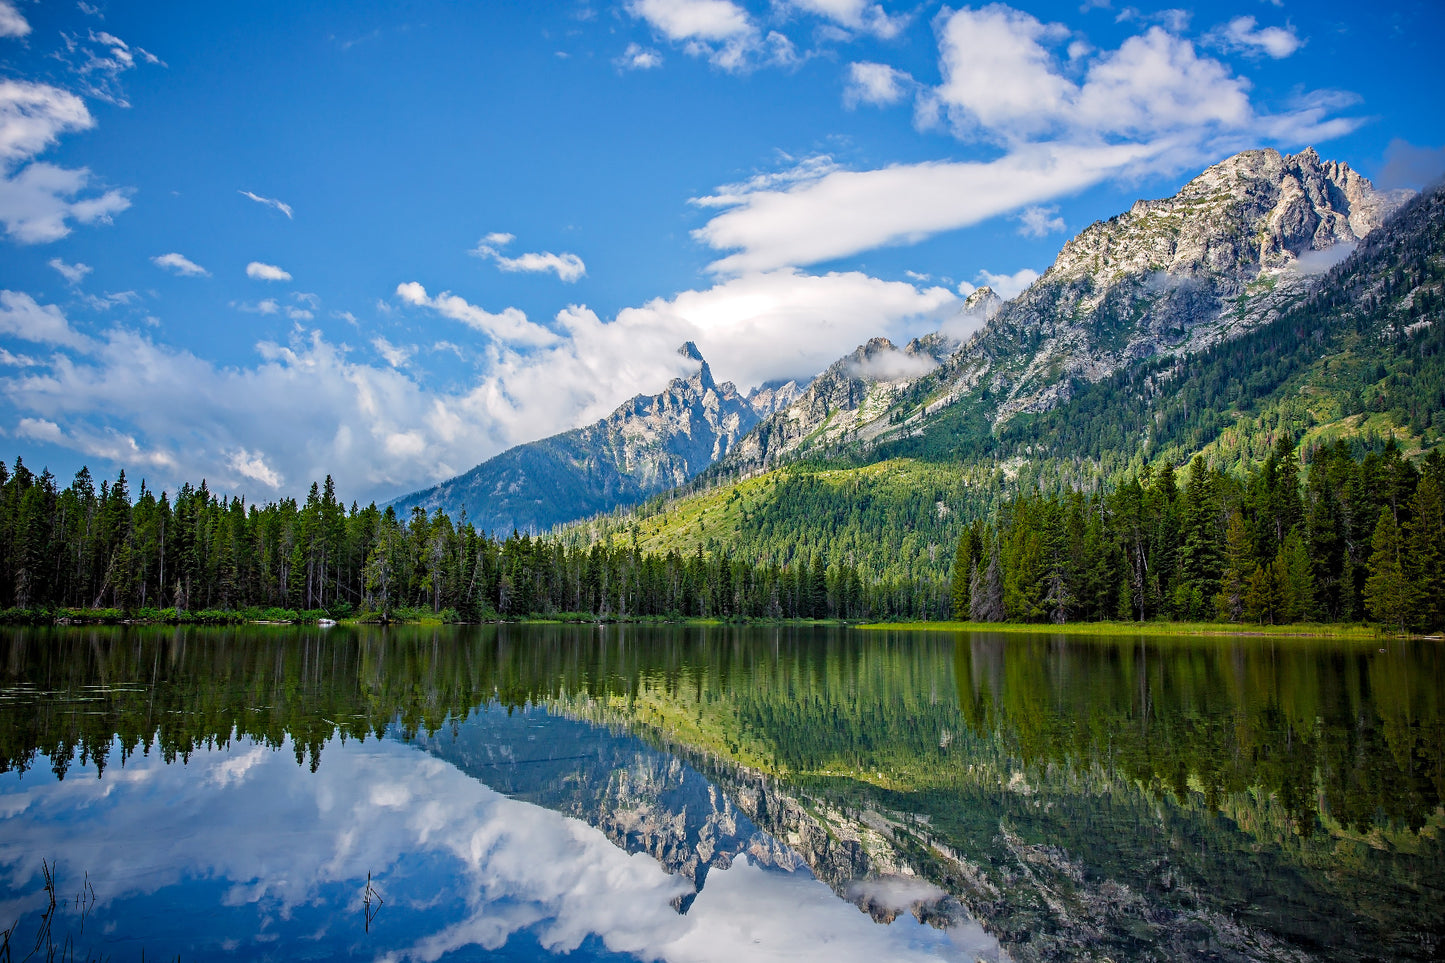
[1318,262]
[717,30]
[180,264]
[37,203]
[845,212]
[637,57]
[1006,286]
[1152,106]
[1036,221]
[893,365]
[22,317]
[73,273]
[252,465]
[266,306]
[856,15]
[281,206]
[111,299]
[99,59]
[396,355]
[299,314]
[12,24]
[510,326]
[1001,82]
[9,360]
[37,200]
[266,272]
[1242,34]
[568,267]
[694,19]
[33,116]
[878,84]
[802,319]
[384,808]
[307,407]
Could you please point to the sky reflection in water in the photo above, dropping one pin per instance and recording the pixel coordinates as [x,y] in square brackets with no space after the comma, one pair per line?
[242,852]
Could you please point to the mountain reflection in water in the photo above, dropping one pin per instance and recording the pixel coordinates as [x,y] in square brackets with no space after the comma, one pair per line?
[694,793]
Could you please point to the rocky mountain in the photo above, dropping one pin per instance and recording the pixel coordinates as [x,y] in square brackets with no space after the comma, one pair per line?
[1234,248]
[648,445]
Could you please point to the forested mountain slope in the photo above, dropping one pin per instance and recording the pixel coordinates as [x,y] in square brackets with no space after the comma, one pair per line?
[647,445]
[1361,358]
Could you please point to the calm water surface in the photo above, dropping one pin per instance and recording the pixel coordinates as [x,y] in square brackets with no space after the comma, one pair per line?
[505,792]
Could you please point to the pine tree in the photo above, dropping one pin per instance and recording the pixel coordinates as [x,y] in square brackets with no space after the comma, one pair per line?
[1234,586]
[1388,595]
[1426,557]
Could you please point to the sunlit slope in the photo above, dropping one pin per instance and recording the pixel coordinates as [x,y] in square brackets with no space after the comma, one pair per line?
[1362,358]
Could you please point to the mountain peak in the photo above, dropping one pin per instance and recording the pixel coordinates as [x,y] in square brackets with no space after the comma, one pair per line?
[689,351]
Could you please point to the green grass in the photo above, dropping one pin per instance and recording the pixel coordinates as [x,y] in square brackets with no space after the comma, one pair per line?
[1301,630]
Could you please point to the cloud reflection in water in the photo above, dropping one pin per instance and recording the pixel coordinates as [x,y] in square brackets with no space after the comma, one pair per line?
[286,853]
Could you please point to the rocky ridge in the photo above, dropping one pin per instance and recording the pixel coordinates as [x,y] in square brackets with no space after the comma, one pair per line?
[1231,250]
[647,445]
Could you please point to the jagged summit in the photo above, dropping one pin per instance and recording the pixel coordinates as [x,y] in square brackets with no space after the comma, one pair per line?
[648,444]
[1234,247]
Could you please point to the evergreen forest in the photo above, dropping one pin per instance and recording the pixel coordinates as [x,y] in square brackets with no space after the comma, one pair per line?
[1336,536]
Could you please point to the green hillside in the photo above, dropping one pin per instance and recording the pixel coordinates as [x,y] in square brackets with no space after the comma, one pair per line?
[1361,360]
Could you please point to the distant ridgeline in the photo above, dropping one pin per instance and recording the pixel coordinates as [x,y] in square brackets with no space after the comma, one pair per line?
[1355,539]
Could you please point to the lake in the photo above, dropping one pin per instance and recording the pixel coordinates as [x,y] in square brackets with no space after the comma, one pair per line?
[711,793]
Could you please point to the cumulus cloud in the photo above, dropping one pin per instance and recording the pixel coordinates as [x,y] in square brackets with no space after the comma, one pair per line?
[802,318]
[1154,105]
[510,325]
[266,272]
[252,465]
[855,15]
[180,264]
[23,317]
[39,200]
[637,57]
[718,30]
[1006,286]
[1036,221]
[308,407]
[877,84]
[281,206]
[1242,34]
[73,273]
[12,24]
[568,267]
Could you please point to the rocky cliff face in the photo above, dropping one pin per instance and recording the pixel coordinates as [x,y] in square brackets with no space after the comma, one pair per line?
[1237,245]
[847,402]
[649,444]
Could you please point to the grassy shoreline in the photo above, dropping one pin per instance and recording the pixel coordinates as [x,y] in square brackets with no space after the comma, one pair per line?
[44,617]
[1299,630]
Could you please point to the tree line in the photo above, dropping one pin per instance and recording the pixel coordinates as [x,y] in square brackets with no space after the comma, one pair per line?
[1348,540]
[84,547]
[1341,539]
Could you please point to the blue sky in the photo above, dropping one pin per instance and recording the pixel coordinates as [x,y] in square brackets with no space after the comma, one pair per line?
[261,242]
